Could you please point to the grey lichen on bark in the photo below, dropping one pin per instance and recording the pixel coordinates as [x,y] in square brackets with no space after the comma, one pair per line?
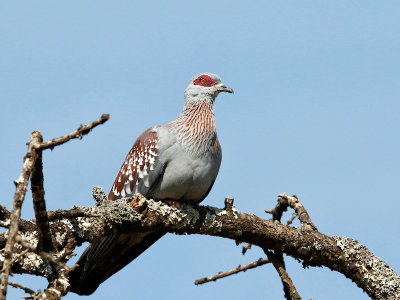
[371,273]
[80,224]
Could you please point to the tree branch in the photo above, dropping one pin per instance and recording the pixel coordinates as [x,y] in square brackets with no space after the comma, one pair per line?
[252,265]
[139,214]
[21,184]
[290,221]
[245,248]
[18,286]
[285,201]
[301,212]
[33,167]
[45,242]
[77,134]
[288,285]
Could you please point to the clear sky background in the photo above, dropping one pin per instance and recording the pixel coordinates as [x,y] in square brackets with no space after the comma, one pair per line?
[315,113]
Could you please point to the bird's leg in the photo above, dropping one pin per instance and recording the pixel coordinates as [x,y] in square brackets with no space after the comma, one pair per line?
[171,203]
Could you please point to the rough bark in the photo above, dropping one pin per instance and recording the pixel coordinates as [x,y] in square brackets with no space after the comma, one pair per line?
[33,169]
[340,254]
[21,186]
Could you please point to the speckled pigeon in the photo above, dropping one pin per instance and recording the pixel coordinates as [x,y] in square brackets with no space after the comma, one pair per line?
[176,162]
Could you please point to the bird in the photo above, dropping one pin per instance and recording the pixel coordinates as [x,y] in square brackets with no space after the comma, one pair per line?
[177,162]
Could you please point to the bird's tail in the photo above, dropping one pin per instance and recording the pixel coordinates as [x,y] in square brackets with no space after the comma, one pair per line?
[104,258]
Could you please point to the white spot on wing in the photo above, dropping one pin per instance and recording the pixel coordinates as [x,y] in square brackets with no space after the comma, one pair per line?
[128,188]
[136,187]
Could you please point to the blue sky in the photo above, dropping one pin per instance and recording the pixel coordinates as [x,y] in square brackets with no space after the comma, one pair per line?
[315,113]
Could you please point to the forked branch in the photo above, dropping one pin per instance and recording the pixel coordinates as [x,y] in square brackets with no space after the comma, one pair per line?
[32,169]
[313,248]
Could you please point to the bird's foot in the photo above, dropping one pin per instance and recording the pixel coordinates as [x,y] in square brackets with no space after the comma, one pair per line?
[171,203]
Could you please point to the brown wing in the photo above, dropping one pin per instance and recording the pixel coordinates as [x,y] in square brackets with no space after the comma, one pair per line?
[140,169]
[104,258]
[139,172]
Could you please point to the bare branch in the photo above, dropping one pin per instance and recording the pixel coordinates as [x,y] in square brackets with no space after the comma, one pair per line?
[278,211]
[228,206]
[77,134]
[18,286]
[290,221]
[45,242]
[284,202]
[4,213]
[260,262]
[21,184]
[245,248]
[370,273]
[68,214]
[301,212]
[98,194]
[288,286]
[17,257]
[56,289]
[4,218]
[33,166]
[313,248]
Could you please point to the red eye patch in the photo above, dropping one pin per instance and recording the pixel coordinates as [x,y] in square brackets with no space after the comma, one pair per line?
[204,80]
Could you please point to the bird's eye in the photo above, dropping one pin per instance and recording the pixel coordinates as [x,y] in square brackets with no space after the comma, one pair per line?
[204,80]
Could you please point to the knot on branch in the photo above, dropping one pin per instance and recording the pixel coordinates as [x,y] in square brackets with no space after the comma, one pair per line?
[98,195]
[285,201]
[229,206]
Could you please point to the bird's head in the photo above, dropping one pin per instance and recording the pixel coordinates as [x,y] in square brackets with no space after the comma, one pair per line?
[203,87]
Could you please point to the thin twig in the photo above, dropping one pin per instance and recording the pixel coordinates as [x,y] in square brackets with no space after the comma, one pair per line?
[278,211]
[34,147]
[245,248]
[260,262]
[288,286]
[66,214]
[77,134]
[18,286]
[21,187]
[302,213]
[4,213]
[284,201]
[290,221]
[55,261]
[5,222]
[17,257]
[4,217]
[44,235]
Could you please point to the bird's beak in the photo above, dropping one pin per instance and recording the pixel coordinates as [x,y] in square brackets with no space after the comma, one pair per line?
[223,88]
